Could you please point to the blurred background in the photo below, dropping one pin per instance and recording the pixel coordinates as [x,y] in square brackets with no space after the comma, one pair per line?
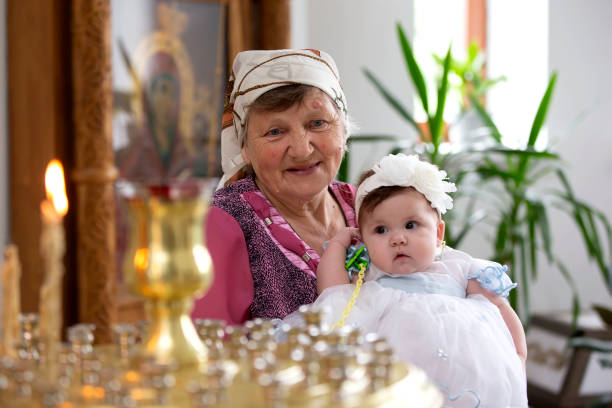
[537,73]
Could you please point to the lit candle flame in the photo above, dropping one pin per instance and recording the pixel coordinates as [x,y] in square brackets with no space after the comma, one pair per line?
[141,259]
[56,187]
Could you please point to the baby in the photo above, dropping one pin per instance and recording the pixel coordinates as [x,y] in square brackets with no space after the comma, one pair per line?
[439,308]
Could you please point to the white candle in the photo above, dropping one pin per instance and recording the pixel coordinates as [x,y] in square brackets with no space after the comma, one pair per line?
[52,247]
[11,302]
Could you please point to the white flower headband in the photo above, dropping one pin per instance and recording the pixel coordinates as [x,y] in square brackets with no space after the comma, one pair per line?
[409,171]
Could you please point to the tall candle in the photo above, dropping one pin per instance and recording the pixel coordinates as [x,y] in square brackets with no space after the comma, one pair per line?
[52,247]
[11,302]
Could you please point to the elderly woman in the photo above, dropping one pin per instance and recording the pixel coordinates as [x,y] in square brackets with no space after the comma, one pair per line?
[285,127]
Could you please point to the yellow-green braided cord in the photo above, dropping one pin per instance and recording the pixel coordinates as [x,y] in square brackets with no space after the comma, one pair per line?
[351,302]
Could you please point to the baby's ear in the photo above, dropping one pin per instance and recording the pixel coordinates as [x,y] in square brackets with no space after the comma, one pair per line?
[441,227]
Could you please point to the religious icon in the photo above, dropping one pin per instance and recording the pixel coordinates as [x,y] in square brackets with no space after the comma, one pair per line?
[169,60]
[168,94]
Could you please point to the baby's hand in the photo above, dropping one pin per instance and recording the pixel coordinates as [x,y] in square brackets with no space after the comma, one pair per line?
[345,236]
[475,288]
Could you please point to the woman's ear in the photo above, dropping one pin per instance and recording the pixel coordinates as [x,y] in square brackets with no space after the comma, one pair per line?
[441,227]
[244,154]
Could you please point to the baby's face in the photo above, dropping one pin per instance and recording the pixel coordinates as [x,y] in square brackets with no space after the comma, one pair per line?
[402,233]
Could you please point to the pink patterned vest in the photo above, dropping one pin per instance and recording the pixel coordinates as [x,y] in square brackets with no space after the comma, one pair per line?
[283,266]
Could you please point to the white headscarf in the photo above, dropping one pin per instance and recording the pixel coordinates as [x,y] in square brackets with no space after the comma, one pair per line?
[409,171]
[256,72]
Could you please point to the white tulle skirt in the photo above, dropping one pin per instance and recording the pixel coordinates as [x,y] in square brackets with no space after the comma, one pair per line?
[462,343]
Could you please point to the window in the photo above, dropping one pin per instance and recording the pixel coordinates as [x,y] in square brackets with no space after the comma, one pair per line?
[518,49]
[516,41]
[438,24]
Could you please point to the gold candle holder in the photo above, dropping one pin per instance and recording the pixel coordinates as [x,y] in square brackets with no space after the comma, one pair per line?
[167,263]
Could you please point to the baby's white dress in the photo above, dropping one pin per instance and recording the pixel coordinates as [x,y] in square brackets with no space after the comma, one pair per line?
[461,342]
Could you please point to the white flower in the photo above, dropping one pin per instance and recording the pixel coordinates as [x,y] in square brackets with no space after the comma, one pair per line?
[409,171]
[396,169]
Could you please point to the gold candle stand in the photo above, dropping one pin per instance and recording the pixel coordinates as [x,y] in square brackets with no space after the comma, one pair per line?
[168,264]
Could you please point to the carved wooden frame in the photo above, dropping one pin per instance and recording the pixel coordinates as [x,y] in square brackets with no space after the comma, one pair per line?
[94,170]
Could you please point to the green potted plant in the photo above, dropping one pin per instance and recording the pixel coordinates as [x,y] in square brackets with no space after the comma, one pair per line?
[521,222]
[468,80]
[520,218]
[431,137]
[467,76]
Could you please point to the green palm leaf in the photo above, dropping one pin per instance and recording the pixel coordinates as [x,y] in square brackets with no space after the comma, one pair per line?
[538,121]
[542,111]
[532,222]
[522,243]
[486,118]
[530,152]
[544,228]
[436,123]
[394,102]
[413,68]
[572,285]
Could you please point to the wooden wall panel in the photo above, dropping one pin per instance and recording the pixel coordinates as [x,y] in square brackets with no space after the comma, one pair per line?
[39,115]
[60,105]
[239,28]
[258,24]
[275,24]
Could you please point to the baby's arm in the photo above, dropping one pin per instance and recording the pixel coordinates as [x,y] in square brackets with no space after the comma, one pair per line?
[331,270]
[508,314]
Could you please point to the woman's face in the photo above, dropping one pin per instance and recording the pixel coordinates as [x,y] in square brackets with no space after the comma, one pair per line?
[296,153]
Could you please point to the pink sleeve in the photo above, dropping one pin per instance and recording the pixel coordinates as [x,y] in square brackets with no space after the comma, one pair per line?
[231,292]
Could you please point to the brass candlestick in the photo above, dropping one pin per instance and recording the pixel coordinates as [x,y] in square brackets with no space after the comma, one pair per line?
[168,264]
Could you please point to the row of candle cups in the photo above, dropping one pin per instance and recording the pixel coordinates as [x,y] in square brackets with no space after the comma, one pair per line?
[260,360]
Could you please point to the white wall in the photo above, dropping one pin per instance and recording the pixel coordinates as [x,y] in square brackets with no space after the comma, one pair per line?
[582,107]
[360,34]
